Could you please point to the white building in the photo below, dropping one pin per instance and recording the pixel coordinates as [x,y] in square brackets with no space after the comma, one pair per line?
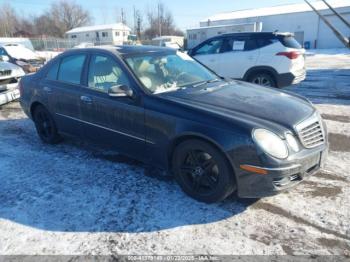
[299,19]
[115,34]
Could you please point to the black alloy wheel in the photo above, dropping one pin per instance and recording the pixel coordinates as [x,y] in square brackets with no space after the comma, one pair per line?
[202,171]
[45,126]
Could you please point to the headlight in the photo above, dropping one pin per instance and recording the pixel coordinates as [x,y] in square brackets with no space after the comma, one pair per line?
[292,142]
[270,143]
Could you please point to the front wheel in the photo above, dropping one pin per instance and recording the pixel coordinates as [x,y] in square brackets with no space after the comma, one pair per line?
[202,171]
[262,79]
[45,125]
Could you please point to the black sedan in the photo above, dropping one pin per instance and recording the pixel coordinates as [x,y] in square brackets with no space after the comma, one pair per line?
[159,106]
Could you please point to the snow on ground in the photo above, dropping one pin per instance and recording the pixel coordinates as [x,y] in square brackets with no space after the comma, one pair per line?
[331,59]
[77,199]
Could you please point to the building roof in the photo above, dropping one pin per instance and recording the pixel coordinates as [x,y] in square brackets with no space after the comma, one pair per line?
[276,10]
[219,26]
[117,26]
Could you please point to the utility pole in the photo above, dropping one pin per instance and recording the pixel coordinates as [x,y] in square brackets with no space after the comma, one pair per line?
[337,14]
[159,22]
[338,34]
[123,16]
[135,22]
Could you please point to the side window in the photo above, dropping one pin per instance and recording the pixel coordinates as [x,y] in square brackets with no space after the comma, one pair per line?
[262,42]
[239,44]
[212,47]
[104,73]
[71,68]
[52,73]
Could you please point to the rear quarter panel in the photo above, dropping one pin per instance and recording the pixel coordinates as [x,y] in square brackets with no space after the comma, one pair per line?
[31,92]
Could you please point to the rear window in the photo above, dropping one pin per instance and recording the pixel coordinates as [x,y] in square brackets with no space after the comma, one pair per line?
[289,41]
[71,69]
[52,73]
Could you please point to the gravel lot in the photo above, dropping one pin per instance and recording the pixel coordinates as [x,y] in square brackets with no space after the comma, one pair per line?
[76,199]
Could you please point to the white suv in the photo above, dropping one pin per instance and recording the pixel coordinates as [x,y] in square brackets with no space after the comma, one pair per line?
[268,59]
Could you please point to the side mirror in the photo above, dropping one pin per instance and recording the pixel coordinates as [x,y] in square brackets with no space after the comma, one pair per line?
[120,91]
[4,58]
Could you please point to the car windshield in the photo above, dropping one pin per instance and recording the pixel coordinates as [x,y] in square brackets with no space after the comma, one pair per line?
[161,73]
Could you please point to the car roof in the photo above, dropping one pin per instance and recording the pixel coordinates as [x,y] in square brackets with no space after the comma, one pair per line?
[125,50]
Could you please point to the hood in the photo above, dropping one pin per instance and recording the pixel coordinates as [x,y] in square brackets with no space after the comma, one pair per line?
[8,66]
[21,52]
[251,100]
[13,70]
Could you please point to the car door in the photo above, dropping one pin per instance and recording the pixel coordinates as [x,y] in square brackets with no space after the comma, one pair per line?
[209,54]
[238,55]
[62,87]
[117,122]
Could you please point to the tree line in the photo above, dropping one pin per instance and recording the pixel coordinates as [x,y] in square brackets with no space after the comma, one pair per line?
[65,15]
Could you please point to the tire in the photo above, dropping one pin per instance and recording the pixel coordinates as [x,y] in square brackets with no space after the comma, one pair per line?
[46,126]
[202,171]
[262,79]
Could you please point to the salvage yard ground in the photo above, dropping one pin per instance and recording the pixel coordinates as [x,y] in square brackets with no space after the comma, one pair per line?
[77,199]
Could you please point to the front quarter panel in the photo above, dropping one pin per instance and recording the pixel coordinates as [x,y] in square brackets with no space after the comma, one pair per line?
[167,123]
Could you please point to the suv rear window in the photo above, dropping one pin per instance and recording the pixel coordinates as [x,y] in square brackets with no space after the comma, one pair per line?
[289,41]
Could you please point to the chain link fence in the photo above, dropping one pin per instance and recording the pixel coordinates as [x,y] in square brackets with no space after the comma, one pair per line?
[52,44]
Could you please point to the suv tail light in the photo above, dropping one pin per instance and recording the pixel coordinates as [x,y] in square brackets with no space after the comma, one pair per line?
[291,55]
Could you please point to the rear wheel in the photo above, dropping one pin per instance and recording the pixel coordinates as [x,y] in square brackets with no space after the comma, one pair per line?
[45,125]
[202,171]
[262,79]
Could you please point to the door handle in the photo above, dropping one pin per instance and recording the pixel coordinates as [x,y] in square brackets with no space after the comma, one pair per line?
[47,89]
[86,99]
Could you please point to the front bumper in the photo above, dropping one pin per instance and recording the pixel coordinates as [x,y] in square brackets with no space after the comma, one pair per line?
[280,178]
[10,95]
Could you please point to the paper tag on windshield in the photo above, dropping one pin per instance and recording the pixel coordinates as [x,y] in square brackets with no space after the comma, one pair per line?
[238,45]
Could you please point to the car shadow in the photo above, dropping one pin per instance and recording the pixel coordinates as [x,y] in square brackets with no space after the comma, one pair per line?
[74,187]
[326,86]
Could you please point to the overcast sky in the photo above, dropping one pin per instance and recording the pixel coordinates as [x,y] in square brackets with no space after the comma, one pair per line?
[187,13]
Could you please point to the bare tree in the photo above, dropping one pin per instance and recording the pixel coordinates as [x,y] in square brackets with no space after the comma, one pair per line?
[62,17]
[160,22]
[8,20]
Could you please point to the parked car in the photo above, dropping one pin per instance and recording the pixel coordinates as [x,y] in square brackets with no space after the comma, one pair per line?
[268,59]
[21,56]
[85,45]
[10,75]
[160,106]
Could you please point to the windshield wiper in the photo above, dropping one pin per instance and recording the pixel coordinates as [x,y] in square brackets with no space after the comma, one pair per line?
[206,82]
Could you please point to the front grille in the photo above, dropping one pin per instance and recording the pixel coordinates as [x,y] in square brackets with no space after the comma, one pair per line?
[5,73]
[311,132]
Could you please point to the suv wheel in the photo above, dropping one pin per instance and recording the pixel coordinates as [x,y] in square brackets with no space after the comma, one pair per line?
[45,125]
[262,79]
[202,171]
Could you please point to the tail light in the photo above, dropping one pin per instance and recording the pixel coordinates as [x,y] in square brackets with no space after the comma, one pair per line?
[291,55]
